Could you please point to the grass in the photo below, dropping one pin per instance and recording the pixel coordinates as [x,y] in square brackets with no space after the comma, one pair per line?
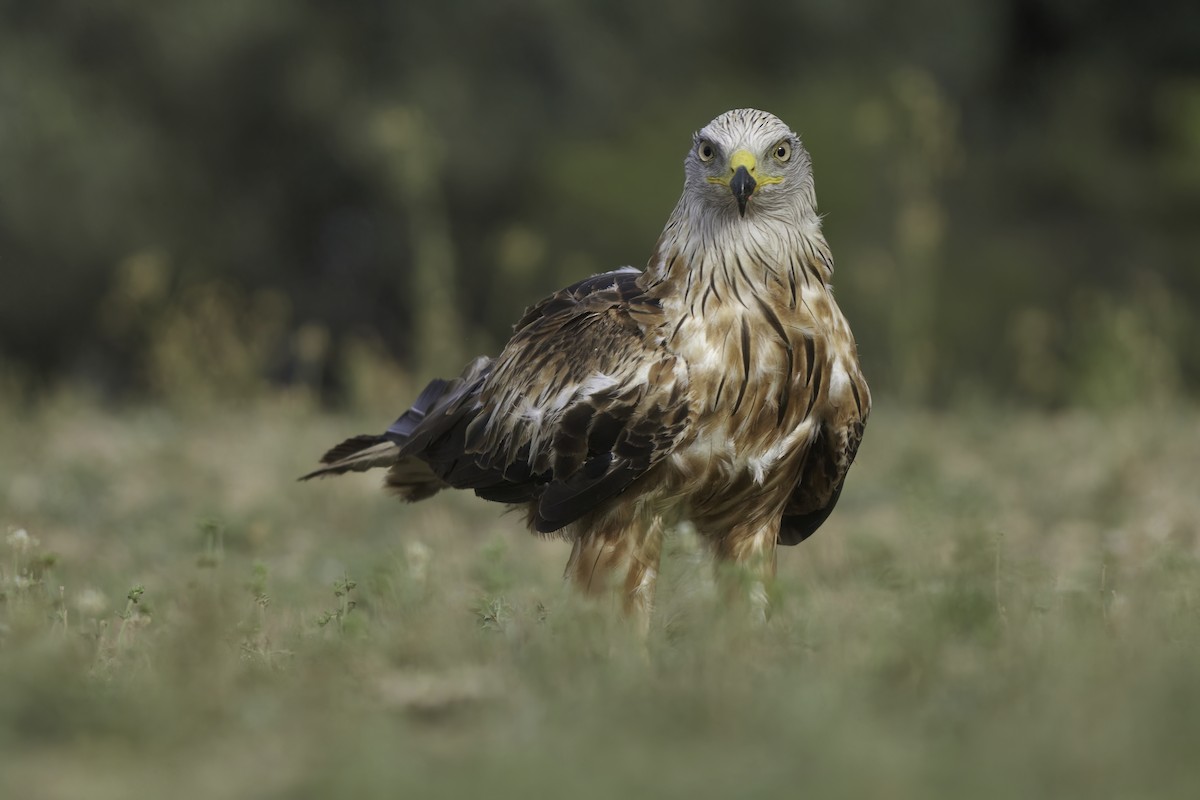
[1005,605]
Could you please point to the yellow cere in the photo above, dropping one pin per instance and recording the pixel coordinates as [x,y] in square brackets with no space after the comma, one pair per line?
[743,158]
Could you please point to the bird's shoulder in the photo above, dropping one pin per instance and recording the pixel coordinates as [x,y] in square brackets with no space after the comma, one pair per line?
[581,402]
[617,292]
[599,330]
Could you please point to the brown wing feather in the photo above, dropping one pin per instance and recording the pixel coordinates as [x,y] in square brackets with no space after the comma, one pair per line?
[580,403]
[820,485]
[581,400]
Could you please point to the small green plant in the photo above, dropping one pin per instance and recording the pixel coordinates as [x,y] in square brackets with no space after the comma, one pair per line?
[133,615]
[342,588]
[258,586]
[494,613]
[257,642]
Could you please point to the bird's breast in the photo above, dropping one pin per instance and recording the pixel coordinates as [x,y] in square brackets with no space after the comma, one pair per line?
[761,337]
[750,387]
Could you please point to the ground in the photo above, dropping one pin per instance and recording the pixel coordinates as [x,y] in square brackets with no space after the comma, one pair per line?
[1005,604]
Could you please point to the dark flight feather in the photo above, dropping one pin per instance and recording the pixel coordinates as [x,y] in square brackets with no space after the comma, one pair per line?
[504,429]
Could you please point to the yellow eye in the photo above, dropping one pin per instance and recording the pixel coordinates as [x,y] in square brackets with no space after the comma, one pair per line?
[706,151]
[783,151]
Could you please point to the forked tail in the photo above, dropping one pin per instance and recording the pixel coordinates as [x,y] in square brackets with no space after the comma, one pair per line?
[409,475]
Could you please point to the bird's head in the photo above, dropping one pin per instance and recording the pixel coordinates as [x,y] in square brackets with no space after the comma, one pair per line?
[748,162]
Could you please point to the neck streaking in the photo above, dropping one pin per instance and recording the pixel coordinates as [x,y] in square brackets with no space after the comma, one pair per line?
[767,256]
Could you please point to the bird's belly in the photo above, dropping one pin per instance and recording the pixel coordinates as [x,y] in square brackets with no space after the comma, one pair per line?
[721,472]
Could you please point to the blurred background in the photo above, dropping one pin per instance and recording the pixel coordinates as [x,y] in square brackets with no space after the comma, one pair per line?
[206,199]
[233,232]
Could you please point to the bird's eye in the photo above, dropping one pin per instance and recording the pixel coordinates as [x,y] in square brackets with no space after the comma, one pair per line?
[783,151]
[706,151]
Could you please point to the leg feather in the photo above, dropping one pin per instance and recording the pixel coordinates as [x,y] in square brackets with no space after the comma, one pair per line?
[620,556]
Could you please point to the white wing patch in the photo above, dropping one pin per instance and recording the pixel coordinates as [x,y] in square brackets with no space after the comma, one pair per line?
[530,411]
[596,383]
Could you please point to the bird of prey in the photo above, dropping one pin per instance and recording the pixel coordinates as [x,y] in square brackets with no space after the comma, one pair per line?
[720,386]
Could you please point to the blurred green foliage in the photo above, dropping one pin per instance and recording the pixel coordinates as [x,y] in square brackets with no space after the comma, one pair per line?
[199,197]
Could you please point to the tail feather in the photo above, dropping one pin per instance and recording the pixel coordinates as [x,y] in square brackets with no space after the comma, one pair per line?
[352,446]
[408,477]
[403,427]
[402,448]
[367,451]
[357,454]
[412,479]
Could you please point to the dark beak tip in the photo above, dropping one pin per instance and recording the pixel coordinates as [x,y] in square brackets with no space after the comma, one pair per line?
[742,185]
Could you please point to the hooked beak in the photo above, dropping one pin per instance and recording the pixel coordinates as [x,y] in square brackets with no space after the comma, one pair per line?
[742,185]
[745,178]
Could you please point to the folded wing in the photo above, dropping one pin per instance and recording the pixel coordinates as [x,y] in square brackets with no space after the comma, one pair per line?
[825,467]
[580,404]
